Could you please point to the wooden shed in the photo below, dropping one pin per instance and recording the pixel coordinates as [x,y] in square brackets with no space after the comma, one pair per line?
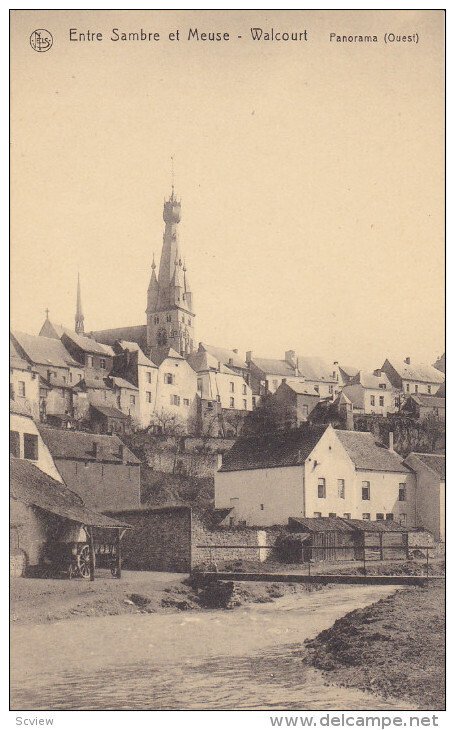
[319,538]
[381,539]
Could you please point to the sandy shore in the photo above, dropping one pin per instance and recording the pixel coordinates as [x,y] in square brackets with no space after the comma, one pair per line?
[394,648]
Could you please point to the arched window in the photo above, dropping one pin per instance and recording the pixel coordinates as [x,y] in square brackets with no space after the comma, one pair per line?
[161,337]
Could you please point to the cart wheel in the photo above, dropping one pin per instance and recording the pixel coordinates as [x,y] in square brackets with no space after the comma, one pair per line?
[83,562]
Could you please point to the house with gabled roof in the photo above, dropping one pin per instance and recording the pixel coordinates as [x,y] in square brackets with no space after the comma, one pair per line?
[371,393]
[135,367]
[430,471]
[413,377]
[314,472]
[176,392]
[24,382]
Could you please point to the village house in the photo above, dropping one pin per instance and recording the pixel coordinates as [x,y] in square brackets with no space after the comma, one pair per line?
[217,382]
[58,371]
[24,383]
[296,400]
[430,491]
[421,406]
[25,441]
[266,374]
[108,420]
[413,377]
[176,399]
[343,373]
[99,468]
[317,374]
[314,472]
[371,393]
[132,364]
[94,357]
[229,358]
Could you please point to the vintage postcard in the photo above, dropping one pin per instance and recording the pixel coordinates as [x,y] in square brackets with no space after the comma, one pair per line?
[227,362]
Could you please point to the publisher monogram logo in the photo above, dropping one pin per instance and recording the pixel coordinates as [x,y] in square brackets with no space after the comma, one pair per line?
[41,40]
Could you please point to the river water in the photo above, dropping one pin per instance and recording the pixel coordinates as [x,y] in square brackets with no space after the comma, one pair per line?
[241,659]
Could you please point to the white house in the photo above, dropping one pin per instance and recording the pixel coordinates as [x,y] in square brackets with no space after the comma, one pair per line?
[371,393]
[176,389]
[430,491]
[314,473]
[26,442]
[216,382]
[413,377]
[24,383]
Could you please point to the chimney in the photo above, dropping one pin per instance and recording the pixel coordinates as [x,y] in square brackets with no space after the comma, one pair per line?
[289,356]
[219,461]
[391,441]
[335,362]
[95,449]
[377,372]
[249,356]
[407,360]
[283,380]
[235,350]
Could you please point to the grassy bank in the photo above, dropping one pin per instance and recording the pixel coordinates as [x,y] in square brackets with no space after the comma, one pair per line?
[36,600]
[394,648]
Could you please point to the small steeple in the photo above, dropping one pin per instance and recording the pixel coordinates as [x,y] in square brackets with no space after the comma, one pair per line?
[79,318]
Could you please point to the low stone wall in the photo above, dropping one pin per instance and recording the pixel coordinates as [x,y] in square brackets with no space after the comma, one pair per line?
[226,544]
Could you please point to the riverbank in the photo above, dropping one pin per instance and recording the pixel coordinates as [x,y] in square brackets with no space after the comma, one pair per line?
[394,648]
[38,601]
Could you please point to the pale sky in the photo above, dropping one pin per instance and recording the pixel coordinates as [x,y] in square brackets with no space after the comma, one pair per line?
[311,177]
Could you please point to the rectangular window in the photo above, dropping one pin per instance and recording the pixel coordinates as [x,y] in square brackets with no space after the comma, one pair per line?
[407,387]
[321,488]
[102,363]
[402,493]
[149,376]
[231,403]
[175,400]
[244,389]
[365,490]
[254,402]
[89,361]
[275,384]
[381,400]
[71,377]
[332,514]
[231,387]
[209,405]
[262,506]
[379,516]
[389,516]
[156,320]
[316,387]
[317,514]
[218,398]
[429,389]
[14,444]
[416,388]
[372,400]
[168,378]
[30,446]
[245,405]
[186,401]
[366,516]
[199,384]
[148,396]
[341,488]
[132,400]
[21,388]
[382,386]
[331,389]
[403,519]
[347,515]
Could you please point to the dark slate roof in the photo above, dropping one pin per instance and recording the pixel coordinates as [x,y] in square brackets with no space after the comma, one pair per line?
[44,350]
[435,462]
[122,383]
[281,448]
[65,444]
[367,454]
[16,360]
[320,524]
[31,485]
[376,525]
[109,411]
[136,333]
[159,354]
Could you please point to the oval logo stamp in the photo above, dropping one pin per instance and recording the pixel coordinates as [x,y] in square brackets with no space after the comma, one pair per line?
[41,40]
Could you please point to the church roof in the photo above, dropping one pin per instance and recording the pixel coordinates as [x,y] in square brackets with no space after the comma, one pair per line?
[136,333]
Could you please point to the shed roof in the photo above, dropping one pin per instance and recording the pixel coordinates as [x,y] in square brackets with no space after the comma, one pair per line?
[109,411]
[64,444]
[44,350]
[301,388]
[269,450]
[320,524]
[32,486]
[428,401]
[368,455]
[376,525]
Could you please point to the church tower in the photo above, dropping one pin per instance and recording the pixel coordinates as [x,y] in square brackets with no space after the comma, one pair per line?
[170,311]
[79,318]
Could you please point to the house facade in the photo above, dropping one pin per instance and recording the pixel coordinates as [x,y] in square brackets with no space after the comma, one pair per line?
[132,364]
[411,377]
[99,468]
[430,491]
[24,383]
[176,398]
[296,400]
[422,406]
[371,393]
[314,473]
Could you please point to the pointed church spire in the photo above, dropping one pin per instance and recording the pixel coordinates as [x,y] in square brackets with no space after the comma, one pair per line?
[79,318]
